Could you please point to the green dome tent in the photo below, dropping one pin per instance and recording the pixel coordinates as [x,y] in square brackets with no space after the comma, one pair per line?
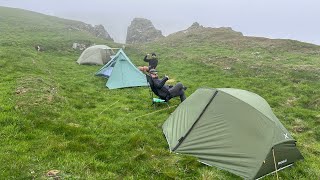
[122,73]
[231,129]
[96,55]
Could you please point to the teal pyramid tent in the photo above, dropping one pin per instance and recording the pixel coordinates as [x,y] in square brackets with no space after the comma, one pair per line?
[231,129]
[122,73]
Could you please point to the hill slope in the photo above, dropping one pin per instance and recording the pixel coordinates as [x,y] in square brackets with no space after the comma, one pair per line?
[56,115]
[30,28]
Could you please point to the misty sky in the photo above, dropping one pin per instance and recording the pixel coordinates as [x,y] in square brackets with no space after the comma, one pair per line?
[289,19]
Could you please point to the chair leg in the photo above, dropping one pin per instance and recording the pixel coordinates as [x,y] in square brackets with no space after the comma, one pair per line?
[154,105]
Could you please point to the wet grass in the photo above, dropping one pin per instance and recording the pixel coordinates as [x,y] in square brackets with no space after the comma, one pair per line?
[56,115]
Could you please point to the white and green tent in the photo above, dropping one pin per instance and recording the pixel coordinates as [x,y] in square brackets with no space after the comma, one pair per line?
[96,55]
[122,73]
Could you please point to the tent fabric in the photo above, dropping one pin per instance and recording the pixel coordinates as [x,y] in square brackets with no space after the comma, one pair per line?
[121,72]
[96,55]
[231,129]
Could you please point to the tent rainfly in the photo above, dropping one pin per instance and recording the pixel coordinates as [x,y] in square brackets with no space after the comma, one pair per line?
[231,129]
[96,55]
[122,73]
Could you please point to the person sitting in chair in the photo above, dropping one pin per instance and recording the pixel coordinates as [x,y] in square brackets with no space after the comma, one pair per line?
[153,62]
[164,91]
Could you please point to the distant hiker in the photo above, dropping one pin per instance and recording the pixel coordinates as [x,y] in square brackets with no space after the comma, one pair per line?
[164,91]
[153,62]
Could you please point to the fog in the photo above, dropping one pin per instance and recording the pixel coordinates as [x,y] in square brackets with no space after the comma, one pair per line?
[288,19]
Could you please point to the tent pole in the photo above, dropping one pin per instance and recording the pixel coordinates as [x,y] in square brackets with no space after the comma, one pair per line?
[275,164]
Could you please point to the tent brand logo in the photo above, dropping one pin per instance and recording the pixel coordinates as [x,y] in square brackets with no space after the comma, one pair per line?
[286,136]
[283,161]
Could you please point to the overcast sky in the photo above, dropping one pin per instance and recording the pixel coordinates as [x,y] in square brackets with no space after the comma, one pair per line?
[289,19]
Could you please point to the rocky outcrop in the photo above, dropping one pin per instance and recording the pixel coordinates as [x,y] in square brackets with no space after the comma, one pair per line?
[221,31]
[98,30]
[142,30]
[195,25]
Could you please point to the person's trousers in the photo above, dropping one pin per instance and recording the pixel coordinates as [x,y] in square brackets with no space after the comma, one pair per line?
[177,90]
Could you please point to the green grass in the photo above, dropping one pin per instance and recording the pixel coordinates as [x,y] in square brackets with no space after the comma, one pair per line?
[55,114]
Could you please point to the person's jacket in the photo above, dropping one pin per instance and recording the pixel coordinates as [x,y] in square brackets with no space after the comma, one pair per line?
[163,90]
[152,62]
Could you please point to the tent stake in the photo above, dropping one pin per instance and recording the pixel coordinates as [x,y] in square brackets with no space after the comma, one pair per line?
[275,164]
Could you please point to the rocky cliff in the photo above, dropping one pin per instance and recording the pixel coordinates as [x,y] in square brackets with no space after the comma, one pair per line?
[142,30]
[97,30]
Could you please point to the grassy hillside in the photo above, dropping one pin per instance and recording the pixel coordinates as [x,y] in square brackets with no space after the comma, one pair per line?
[22,28]
[56,115]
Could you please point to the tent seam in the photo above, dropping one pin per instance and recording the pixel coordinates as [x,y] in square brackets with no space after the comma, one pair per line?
[184,137]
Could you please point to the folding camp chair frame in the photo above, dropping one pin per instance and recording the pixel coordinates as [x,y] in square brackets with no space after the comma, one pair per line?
[155,100]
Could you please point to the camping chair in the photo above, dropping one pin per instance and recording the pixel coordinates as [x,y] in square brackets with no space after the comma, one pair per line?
[152,89]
